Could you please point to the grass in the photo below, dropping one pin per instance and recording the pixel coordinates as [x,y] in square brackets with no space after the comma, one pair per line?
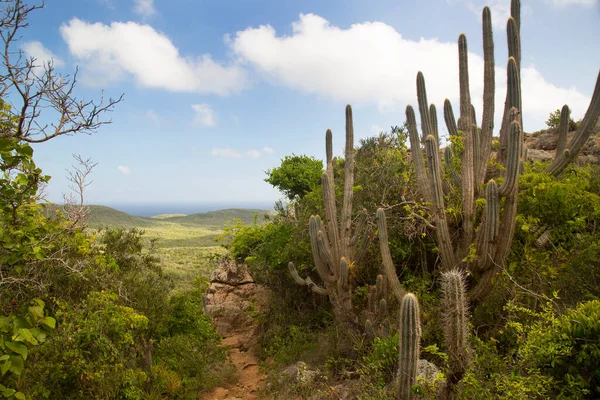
[185,243]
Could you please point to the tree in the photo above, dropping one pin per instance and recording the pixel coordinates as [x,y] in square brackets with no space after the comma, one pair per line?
[36,92]
[296,176]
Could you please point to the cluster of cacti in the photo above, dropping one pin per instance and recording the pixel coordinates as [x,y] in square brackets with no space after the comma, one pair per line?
[455,317]
[492,237]
[377,323]
[334,246]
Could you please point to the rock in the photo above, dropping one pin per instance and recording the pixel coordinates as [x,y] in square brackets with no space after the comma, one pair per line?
[297,373]
[230,300]
[534,155]
[427,370]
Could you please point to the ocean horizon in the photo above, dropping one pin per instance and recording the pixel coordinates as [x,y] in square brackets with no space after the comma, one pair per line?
[150,210]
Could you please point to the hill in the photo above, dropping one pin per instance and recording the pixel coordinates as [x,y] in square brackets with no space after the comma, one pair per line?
[219,218]
[101,216]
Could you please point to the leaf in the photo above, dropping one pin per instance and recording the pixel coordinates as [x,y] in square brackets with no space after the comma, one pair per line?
[25,335]
[20,396]
[4,368]
[8,392]
[37,311]
[16,366]
[49,322]
[18,348]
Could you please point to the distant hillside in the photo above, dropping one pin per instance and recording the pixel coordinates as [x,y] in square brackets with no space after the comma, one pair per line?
[218,218]
[105,216]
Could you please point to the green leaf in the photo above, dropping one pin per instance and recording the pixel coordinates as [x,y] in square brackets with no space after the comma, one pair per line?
[16,366]
[4,368]
[8,392]
[25,335]
[4,357]
[20,396]
[18,348]
[49,322]
[39,334]
[37,311]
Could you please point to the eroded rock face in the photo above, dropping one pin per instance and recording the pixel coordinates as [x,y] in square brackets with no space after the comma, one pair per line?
[230,300]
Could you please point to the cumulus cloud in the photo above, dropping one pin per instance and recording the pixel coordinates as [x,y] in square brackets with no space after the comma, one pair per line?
[110,53]
[372,63]
[145,8]
[205,115]
[42,55]
[226,153]
[268,150]
[254,154]
[565,3]
[124,170]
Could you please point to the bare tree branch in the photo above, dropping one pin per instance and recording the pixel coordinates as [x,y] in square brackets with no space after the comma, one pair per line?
[36,97]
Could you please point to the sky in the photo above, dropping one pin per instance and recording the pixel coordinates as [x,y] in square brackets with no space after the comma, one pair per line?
[216,92]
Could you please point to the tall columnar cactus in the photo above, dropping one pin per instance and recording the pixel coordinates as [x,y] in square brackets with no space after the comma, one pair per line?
[489,236]
[455,320]
[409,346]
[335,246]
[563,130]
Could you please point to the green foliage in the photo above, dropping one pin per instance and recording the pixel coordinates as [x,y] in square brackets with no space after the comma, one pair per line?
[382,360]
[567,348]
[91,354]
[18,335]
[296,176]
[553,120]
[288,345]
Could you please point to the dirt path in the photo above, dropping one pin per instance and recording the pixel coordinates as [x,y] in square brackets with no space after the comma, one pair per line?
[249,382]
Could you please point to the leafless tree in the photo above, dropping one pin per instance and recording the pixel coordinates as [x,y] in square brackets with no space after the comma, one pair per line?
[36,92]
[74,207]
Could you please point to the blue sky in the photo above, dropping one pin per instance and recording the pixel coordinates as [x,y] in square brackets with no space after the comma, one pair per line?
[218,91]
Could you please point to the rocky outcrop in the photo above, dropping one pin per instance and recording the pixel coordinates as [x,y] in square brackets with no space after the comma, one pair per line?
[231,300]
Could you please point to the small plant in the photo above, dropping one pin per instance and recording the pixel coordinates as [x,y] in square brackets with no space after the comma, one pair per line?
[553,121]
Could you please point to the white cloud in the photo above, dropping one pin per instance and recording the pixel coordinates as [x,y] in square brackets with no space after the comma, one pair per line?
[145,8]
[254,154]
[268,150]
[205,115]
[124,170]
[372,63]
[42,56]
[110,53]
[565,3]
[227,153]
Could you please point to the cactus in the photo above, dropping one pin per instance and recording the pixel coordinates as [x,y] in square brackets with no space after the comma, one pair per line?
[334,245]
[455,321]
[583,133]
[563,130]
[408,349]
[492,234]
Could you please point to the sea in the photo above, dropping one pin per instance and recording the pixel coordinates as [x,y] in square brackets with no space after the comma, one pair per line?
[149,210]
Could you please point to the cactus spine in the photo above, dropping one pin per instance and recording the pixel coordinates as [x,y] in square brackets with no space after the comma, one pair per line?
[410,337]
[334,246]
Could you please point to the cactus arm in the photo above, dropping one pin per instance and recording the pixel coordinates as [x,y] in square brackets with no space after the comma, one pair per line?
[489,88]
[582,135]
[346,214]
[295,276]
[423,106]
[323,268]
[563,130]
[328,187]
[449,118]
[417,155]
[360,228]
[316,288]
[465,124]
[388,264]
[439,214]
[434,122]
[409,343]
[512,162]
